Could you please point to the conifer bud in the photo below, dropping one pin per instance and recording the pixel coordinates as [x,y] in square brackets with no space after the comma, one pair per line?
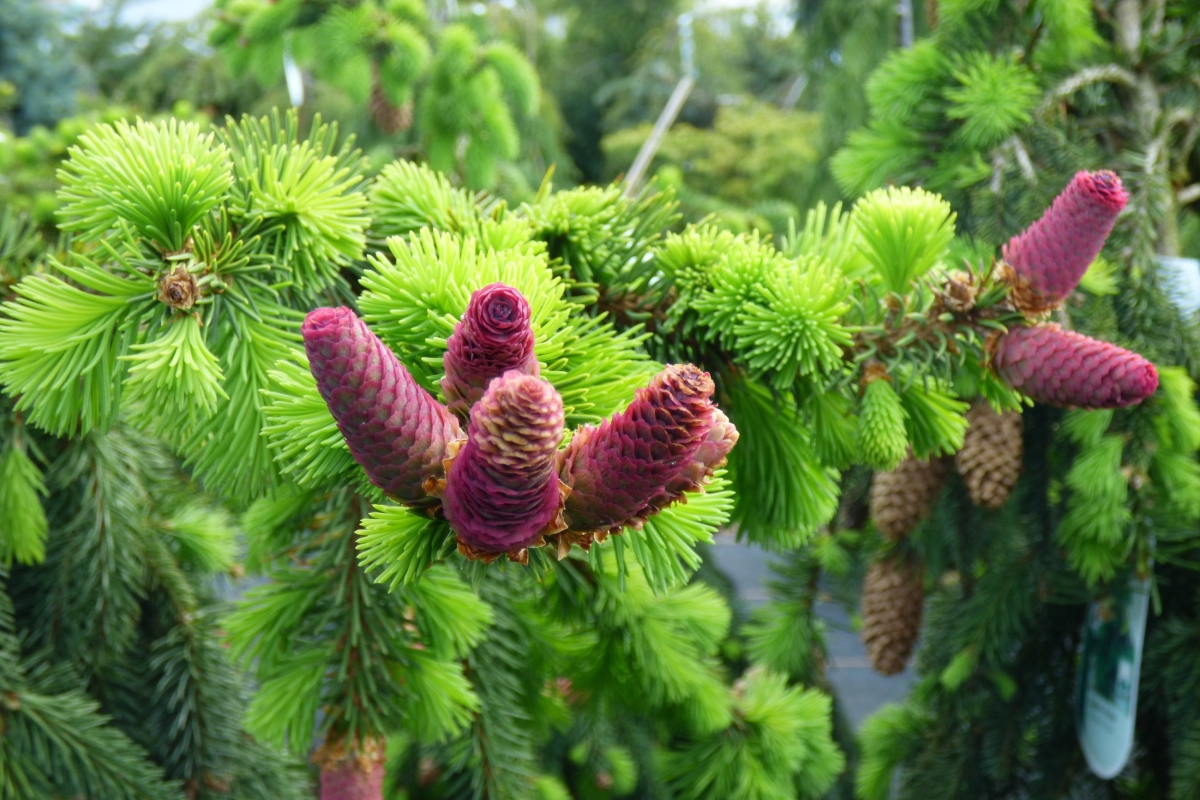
[493,337]
[1052,254]
[636,463]
[395,429]
[1064,368]
[178,289]
[502,492]
[882,438]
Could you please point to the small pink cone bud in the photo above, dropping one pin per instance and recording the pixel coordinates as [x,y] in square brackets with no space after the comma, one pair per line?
[353,775]
[1052,254]
[350,781]
[502,491]
[395,429]
[1064,368]
[492,338]
[667,442]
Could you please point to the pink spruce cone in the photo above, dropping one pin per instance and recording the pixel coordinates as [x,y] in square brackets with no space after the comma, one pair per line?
[353,779]
[349,782]
[1052,254]
[395,429]
[502,492]
[1064,368]
[492,338]
[667,442]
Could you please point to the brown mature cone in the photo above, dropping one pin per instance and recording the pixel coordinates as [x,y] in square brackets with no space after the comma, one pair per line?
[990,458]
[893,595]
[903,497]
[390,117]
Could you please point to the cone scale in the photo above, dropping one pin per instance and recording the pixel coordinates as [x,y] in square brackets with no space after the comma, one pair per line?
[893,597]
[990,458]
[1050,257]
[395,429]
[354,773]
[634,464]
[502,491]
[1064,368]
[351,780]
[493,337]
[903,497]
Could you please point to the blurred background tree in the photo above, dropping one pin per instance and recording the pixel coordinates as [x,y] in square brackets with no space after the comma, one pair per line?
[37,65]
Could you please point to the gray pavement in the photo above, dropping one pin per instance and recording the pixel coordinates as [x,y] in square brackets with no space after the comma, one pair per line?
[860,689]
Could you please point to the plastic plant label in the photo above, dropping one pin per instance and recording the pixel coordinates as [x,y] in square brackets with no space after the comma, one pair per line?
[1107,682]
[1183,281]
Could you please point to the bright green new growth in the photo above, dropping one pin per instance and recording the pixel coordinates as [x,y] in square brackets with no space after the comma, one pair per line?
[406,197]
[771,753]
[159,178]
[466,99]
[904,233]
[61,345]
[301,195]
[174,378]
[23,525]
[905,82]
[796,331]
[882,442]
[776,464]
[995,97]
[934,419]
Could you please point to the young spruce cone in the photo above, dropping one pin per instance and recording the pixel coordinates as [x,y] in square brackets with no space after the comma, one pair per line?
[395,429]
[638,462]
[349,776]
[903,497]
[893,595]
[1064,368]
[990,458]
[501,491]
[492,338]
[1051,256]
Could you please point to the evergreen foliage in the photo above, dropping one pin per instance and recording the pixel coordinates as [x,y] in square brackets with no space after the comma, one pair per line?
[996,109]
[116,679]
[750,170]
[469,99]
[176,314]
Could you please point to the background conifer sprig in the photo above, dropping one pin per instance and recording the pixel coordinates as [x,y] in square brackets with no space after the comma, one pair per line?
[1093,484]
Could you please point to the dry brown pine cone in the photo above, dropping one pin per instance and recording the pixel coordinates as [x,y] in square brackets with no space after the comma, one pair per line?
[893,594]
[990,458]
[390,117]
[903,497]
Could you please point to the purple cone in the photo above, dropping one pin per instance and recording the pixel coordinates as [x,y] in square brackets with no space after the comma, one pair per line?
[395,429]
[667,442]
[502,491]
[492,338]
[1064,368]
[1053,253]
